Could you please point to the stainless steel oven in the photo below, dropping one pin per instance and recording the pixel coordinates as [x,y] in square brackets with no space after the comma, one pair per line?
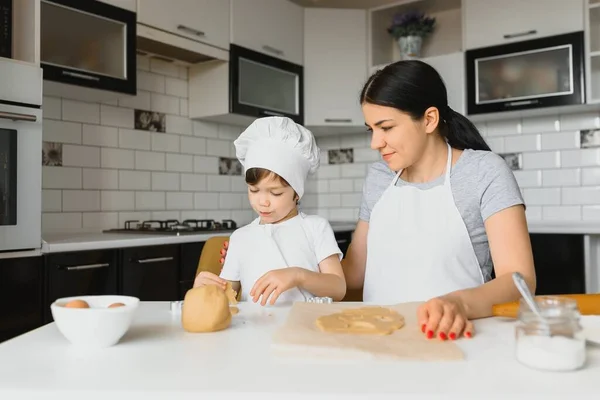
[20,177]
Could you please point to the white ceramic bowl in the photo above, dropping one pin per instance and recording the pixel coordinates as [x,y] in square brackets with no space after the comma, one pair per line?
[97,326]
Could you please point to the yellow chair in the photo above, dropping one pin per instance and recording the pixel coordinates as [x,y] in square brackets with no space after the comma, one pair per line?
[210,258]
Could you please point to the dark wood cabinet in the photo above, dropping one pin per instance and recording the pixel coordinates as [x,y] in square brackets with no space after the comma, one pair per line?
[190,255]
[21,296]
[343,239]
[150,273]
[559,263]
[79,273]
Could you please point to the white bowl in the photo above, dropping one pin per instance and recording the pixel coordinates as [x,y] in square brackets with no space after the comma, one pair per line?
[97,326]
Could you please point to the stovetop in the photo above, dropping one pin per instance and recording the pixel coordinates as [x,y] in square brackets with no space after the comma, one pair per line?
[174,227]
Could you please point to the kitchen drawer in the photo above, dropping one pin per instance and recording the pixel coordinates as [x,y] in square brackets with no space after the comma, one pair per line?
[150,273]
[79,273]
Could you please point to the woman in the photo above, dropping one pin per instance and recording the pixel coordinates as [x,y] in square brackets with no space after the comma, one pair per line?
[439,213]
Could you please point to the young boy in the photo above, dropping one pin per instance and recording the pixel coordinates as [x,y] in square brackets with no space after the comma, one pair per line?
[283,255]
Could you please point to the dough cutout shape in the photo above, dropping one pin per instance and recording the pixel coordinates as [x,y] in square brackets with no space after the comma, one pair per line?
[364,320]
[205,309]
[231,294]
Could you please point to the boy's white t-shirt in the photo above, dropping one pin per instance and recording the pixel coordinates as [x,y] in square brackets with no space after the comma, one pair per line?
[255,249]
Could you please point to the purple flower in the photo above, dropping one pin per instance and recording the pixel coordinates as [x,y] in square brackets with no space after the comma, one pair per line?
[411,23]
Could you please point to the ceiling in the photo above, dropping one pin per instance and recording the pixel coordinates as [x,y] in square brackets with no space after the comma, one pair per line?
[344,3]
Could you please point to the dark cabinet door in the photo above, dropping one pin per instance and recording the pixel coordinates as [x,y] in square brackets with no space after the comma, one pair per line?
[150,273]
[343,240]
[559,263]
[80,273]
[190,255]
[20,295]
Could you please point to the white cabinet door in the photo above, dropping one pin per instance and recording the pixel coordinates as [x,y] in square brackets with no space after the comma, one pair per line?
[272,27]
[335,66]
[451,68]
[206,21]
[126,4]
[492,22]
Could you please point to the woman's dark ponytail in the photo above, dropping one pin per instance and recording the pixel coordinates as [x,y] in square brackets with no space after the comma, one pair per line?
[413,86]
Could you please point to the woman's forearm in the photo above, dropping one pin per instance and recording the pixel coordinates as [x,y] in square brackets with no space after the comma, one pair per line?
[322,284]
[478,301]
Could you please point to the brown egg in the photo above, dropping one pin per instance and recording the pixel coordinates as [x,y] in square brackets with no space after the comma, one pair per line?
[114,305]
[77,304]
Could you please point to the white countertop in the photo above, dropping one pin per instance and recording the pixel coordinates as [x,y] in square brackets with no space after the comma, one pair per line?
[157,359]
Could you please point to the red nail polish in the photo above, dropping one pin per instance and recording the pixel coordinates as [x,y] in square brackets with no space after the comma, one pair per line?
[222,251]
[452,335]
[429,334]
[423,328]
[222,260]
[442,336]
[468,334]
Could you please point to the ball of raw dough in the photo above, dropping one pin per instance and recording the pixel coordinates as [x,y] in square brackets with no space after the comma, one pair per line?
[205,309]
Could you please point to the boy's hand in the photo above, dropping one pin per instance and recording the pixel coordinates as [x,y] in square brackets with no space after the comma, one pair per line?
[274,283]
[208,278]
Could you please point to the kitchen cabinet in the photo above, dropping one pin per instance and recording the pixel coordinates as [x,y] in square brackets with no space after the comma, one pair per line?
[272,27]
[343,239]
[451,68]
[79,273]
[335,66]
[493,22]
[190,255]
[130,5]
[150,273]
[21,296]
[205,21]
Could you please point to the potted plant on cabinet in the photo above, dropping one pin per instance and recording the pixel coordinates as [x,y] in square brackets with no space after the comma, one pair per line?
[409,29]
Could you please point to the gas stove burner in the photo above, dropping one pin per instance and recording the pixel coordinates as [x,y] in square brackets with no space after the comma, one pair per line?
[173,226]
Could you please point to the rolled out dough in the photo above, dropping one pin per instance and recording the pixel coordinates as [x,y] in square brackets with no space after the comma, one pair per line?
[363,320]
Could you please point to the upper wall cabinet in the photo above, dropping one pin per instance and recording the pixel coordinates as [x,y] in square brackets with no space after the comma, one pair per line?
[206,21]
[335,67]
[493,22]
[272,27]
[130,5]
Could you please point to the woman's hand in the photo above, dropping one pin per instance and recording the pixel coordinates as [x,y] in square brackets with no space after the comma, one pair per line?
[274,283]
[444,317]
[208,278]
[223,252]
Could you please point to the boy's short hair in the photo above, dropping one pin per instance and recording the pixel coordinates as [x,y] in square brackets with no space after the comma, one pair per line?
[255,175]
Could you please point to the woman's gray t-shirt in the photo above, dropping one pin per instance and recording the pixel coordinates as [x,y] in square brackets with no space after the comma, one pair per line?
[482,184]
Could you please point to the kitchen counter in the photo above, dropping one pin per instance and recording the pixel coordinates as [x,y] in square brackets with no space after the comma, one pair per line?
[157,359]
[62,242]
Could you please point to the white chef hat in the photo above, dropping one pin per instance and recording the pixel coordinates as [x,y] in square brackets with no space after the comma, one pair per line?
[281,146]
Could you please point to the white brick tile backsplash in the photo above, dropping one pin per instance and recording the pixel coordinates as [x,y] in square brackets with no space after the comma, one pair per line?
[164,67]
[100,220]
[243,217]
[117,158]
[330,200]
[540,197]
[516,144]
[218,183]
[193,145]
[176,87]
[540,124]
[353,170]
[218,147]
[52,107]
[97,135]
[116,116]
[179,125]
[324,157]
[133,216]
[591,213]
[528,178]
[146,160]
[561,177]
[229,132]
[180,162]
[141,101]
[165,181]
[61,178]
[151,82]
[51,200]
[165,215]
[561,213]
[503,128]
[62,132]
[352,141]
[330,143]
[533,213]
[183,107]
[94,178]
[218,215]
[81,156]
[351,200]
[206,201]
[342,214]
[238,184]
[330,171]
[365,155]
[81,200]
[193,182]
[61,222]
[78,111]
[572,122]
[206,165]
[150,200]
[230,200]
[590,176]
[164,104]
[496,144]
[541,160]
[143,63]
[585,195]
[309,200]
[165,142]
[192,214]
[341,186]
[560,141]
[205,129]
[111,200]
[132,139]
[134,180]
[180,201]
[581,158]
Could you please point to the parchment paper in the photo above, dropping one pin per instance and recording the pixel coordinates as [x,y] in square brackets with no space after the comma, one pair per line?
[300,335]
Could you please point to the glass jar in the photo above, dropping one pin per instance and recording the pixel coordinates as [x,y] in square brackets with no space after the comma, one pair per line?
[558,345]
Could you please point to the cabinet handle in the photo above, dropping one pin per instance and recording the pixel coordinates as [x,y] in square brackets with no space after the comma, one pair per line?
[82,76]
[87,266]
[153,260]
[271,113]
[273,50]
[191,30]
[18,117]
[519,34]
[338,120]
[342,241]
